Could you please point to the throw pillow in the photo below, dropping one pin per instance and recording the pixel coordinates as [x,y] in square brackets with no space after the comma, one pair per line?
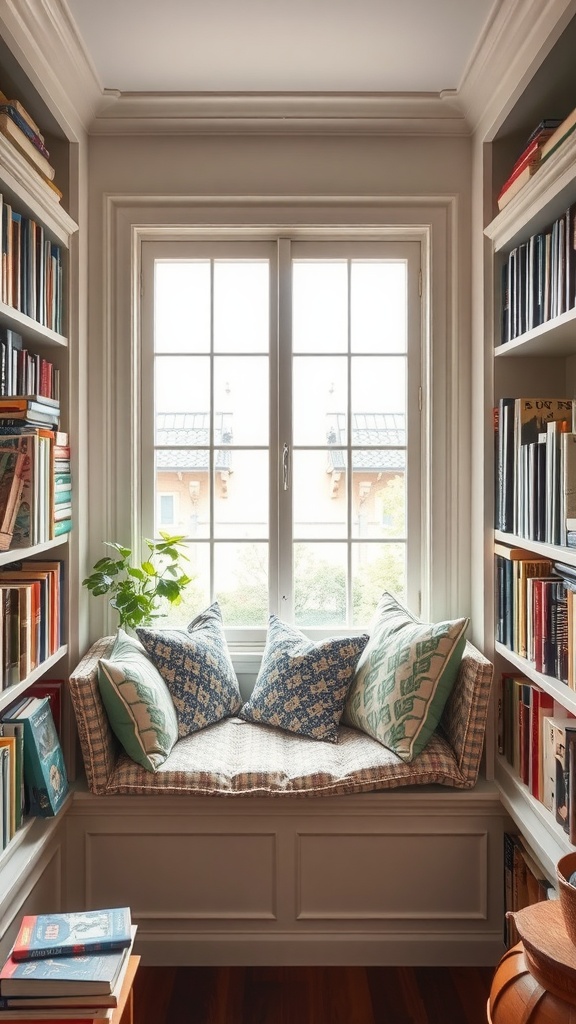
[196,666]
[404,678]
[138,703]
[302,685]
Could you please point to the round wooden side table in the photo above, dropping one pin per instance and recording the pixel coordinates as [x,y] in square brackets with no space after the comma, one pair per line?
[535,981]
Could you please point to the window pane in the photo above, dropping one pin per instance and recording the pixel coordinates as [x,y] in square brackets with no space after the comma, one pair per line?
[375,568]
[378,306]
[182,386]
[241,306]
[183,474]
[196,597]
[320,585]
[182,306]
[241,389]
[241,494]
[320,400]
[320,306]
[241,583]
[379,493]
[319,494]
[378,386]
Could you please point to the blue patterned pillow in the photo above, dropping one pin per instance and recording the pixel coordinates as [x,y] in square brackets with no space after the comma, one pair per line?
[302,685]
[197,669]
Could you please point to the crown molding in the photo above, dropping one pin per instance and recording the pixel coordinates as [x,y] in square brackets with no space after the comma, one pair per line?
[279,113]
[506,56]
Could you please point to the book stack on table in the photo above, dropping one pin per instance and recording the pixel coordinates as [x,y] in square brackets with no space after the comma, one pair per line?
[72,967]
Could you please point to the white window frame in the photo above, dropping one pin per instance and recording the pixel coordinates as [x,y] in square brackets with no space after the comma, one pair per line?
[280,252]
[433,220]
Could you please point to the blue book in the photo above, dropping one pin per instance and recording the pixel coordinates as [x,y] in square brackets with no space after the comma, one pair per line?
[81,976]
[72,934]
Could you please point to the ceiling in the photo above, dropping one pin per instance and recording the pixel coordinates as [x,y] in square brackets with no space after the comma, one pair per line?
[267,46]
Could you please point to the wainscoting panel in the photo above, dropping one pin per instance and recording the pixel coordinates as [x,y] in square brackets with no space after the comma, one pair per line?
[392,877]
[411,878]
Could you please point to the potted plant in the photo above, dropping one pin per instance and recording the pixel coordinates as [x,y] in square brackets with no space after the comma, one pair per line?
[140,592]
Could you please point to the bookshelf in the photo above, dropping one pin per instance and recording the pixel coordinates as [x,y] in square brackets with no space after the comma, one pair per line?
[540,362]
[22,188]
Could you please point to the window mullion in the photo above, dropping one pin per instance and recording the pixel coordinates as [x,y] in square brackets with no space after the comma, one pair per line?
[283,398]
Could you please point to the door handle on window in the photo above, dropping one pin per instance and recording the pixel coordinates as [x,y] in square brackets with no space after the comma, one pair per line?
[285,466]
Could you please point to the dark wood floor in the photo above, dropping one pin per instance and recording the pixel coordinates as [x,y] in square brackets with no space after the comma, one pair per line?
[311,995]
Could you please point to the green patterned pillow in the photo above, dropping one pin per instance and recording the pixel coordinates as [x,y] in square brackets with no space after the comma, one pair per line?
[197,669]
[302,685]
[138,703]
[404,678]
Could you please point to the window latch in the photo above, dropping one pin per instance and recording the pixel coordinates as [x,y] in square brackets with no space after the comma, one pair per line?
[285,466]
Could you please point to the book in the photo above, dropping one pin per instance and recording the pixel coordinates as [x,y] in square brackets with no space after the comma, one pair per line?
[95,977]
[45,775]
[11,110]
[87,931]
[564,129]
[73,1009]
[16,729]
[51,688]
[516,183]
[13,462]
[23,111]
[20,140]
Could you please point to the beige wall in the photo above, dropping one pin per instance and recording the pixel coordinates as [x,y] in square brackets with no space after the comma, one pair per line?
[276,165]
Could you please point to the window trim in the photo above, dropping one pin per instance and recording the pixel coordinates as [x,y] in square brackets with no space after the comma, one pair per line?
[431,219]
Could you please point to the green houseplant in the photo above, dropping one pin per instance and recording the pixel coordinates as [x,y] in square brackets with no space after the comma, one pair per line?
[140,592]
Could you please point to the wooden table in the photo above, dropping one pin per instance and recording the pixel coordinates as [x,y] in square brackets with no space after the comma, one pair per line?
[124,1012]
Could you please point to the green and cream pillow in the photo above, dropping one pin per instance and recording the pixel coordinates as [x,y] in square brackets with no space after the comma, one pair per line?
[138,703]
[404,678]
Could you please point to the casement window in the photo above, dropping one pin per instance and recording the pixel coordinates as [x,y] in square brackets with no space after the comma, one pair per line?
[280,424]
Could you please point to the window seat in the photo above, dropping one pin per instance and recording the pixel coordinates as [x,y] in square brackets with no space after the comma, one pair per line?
[253,846]
[238,758]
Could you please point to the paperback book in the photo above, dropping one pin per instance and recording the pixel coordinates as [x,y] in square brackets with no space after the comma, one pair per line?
[52,935]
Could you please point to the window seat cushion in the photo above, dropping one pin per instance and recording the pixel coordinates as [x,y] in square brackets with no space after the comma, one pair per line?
[243,758]
[235,757]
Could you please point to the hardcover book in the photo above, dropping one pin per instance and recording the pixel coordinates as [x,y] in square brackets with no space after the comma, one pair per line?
[88,931]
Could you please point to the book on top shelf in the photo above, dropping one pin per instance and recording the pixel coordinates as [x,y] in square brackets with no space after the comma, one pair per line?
[20,140]
[95,977]
[562,132]
[16,116]
[73,933]
[24,113]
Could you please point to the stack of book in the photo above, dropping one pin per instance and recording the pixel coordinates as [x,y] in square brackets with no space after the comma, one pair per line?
[73,967]
[17,125]
[62,515]
[529,160]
